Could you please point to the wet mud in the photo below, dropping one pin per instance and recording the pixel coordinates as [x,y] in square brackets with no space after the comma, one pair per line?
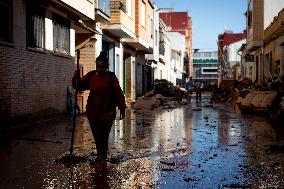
[198,145]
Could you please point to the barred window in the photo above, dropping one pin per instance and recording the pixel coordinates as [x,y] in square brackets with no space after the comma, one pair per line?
[61,34]
[35,26]
[6,20]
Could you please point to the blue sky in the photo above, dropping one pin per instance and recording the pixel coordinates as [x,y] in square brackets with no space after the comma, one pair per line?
[210,18]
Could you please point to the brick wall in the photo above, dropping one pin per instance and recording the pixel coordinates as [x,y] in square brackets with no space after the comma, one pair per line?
[87,63]
[33,84]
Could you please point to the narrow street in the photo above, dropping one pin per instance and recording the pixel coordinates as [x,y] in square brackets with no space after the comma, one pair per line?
[198,145]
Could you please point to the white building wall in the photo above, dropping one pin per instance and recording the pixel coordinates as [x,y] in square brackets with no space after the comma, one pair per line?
[167,66]
[178,46]
[271,9]
[119,62]
[98,44]
[86,7]
[155,36]
[232,51]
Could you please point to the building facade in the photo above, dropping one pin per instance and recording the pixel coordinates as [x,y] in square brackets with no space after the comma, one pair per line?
[163,67]
[153,59]
[37,46]
[182,23]
[121,29]
[228,54]
[232,59]
[256,63]
[273,48]
[43,42]
[177,68]
[205,68]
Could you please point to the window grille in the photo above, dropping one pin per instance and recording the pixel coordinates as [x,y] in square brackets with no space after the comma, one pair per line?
[35,26]
[61,34]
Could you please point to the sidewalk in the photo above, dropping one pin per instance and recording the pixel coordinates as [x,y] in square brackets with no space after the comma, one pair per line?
[28,152]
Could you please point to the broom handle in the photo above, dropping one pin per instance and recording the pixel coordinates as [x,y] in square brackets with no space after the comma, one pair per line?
[75,104]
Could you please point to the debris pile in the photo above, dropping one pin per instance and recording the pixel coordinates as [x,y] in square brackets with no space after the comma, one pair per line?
[249,96]
[167,89]
[260,101]
[165,95]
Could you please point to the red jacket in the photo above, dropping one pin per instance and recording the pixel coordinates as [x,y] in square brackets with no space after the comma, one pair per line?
[105,95]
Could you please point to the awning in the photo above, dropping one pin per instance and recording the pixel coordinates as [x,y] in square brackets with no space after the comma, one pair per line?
[86,26]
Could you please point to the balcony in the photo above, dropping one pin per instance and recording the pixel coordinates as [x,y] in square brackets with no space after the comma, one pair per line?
[118,5]
[139,44]
[83,8]
[102,12]
[121,25]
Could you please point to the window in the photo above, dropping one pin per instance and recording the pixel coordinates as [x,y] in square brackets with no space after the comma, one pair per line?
[143,14]
[209,70]
[6,20]
[35,26]
[61,34]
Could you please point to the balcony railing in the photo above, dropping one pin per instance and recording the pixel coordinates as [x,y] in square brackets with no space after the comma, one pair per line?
[118,5]
[162,48]
[104,5]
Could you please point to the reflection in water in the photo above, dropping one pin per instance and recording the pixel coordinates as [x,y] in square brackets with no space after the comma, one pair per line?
[194,146]
[150,132]
[99,177]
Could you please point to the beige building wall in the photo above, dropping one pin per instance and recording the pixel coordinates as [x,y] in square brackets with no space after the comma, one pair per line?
[273,47]
[255,32]
[87,63]
[190,50]
[122,18]
[143,30]
[276,52]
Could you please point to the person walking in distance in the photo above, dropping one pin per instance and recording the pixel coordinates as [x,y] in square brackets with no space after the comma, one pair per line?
[198,88]
[190,87]
[105,95]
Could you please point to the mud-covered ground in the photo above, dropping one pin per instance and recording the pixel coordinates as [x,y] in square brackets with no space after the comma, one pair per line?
[198,145]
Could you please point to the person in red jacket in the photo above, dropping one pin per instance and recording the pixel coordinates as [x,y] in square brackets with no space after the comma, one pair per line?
[105,95]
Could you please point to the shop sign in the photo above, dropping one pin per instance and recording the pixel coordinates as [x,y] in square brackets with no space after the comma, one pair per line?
[211,60]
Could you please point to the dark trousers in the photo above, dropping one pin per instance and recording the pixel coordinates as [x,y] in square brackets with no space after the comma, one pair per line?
[101,130]
[198,95]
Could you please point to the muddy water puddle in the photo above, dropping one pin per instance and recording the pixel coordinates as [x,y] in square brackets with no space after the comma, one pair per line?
[198,145]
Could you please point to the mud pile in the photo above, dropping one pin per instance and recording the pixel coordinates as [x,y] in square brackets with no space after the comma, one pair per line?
[250,97]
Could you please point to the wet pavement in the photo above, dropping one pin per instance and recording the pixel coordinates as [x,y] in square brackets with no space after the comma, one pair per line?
[198,145]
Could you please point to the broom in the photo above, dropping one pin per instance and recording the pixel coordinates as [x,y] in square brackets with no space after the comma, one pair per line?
[70,159]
